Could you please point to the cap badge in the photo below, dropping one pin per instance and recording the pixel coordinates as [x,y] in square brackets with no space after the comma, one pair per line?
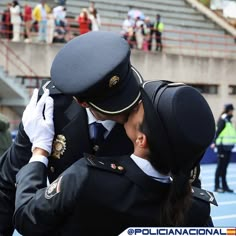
[113,81]
[59,146]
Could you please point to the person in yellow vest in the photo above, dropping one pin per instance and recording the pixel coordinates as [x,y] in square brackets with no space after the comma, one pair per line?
[39,14]
[225,139]
[158,29]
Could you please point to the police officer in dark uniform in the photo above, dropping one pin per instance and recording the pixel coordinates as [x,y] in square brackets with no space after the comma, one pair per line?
[106,195]
[81,63]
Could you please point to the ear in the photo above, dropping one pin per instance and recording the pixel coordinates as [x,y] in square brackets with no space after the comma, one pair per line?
[83,104]
[141,141]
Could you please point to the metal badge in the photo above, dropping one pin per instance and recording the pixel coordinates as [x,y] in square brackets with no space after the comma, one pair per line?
[96,148]
[113,81]
[53,189]
[59,146]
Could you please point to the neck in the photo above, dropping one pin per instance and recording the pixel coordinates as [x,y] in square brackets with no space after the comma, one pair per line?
[141,153]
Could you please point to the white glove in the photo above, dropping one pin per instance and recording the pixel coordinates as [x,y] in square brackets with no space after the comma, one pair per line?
[38,125]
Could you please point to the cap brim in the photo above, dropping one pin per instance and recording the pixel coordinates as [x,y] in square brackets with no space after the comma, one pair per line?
[125,99]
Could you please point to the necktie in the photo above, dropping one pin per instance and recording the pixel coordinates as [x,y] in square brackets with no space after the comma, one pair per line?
[98,137]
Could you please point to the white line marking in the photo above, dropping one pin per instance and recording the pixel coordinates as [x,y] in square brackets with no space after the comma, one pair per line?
[223,217]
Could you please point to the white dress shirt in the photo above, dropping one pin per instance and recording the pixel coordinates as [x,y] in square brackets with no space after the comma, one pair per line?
[108,124]
[149,170]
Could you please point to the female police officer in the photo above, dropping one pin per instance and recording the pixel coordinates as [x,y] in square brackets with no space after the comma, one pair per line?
[107,195]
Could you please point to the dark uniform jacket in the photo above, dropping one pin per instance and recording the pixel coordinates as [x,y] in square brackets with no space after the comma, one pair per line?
[95,196]
[71,123]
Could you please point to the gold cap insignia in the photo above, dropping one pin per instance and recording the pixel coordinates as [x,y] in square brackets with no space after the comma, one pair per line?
[59,146]
[113,81]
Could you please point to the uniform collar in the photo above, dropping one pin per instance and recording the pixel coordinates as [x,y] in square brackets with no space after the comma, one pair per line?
[148,169]
[108,124]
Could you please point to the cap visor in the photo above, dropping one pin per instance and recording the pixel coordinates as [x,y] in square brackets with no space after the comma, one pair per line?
[125,99]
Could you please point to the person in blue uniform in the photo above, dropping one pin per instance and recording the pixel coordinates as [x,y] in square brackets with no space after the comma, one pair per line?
[81,64]
[106,195]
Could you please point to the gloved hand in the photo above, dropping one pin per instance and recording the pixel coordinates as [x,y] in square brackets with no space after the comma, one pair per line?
[38,125]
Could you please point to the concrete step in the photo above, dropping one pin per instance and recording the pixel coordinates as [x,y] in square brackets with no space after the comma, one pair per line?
[13,93]
[72,12]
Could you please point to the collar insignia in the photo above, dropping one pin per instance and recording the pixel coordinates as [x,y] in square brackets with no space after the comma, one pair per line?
[59,146]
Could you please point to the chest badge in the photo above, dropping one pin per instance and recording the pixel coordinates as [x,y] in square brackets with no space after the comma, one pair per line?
[59,146]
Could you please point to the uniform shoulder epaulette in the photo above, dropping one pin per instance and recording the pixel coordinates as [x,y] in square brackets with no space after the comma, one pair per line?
[48,84]
[204,195]
[108,165]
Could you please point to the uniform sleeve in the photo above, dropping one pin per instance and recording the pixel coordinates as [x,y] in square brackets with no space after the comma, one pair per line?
[41,209]
[16,156]
[10,163]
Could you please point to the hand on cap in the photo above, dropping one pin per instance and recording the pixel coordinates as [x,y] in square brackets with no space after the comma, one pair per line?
[38,122]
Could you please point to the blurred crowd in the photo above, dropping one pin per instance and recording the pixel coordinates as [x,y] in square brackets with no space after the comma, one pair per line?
[48,24]
[141,32]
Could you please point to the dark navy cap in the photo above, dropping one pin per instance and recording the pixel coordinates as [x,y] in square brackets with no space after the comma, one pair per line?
[95,68]
[183,125]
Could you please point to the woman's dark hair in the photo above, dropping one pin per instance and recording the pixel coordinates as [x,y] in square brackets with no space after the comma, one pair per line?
[177,201]
[15,3]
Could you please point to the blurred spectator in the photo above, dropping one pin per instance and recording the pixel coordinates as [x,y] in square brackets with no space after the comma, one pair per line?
[59,13]
[158,28]
[128,30]
[5,135]
[95,20]
[6,26]
[225,139]
[16,20]
[40,15]
[149,32]
[27,17]
[92,7]
[139,32]
[60,24]
[60,32]
[50,27]
[84,22]
[94,17]
[146,31]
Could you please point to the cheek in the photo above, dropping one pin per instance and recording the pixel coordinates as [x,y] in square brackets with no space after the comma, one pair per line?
[130,128]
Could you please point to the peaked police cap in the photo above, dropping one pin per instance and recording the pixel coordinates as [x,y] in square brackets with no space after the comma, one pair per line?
[95,67]
[184,125]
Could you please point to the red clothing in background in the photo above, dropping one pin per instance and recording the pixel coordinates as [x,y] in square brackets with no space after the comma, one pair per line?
[84,25]
[27,13]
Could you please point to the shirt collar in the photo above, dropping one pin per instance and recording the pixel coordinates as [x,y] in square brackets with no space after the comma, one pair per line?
[108,124]
[148,169]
